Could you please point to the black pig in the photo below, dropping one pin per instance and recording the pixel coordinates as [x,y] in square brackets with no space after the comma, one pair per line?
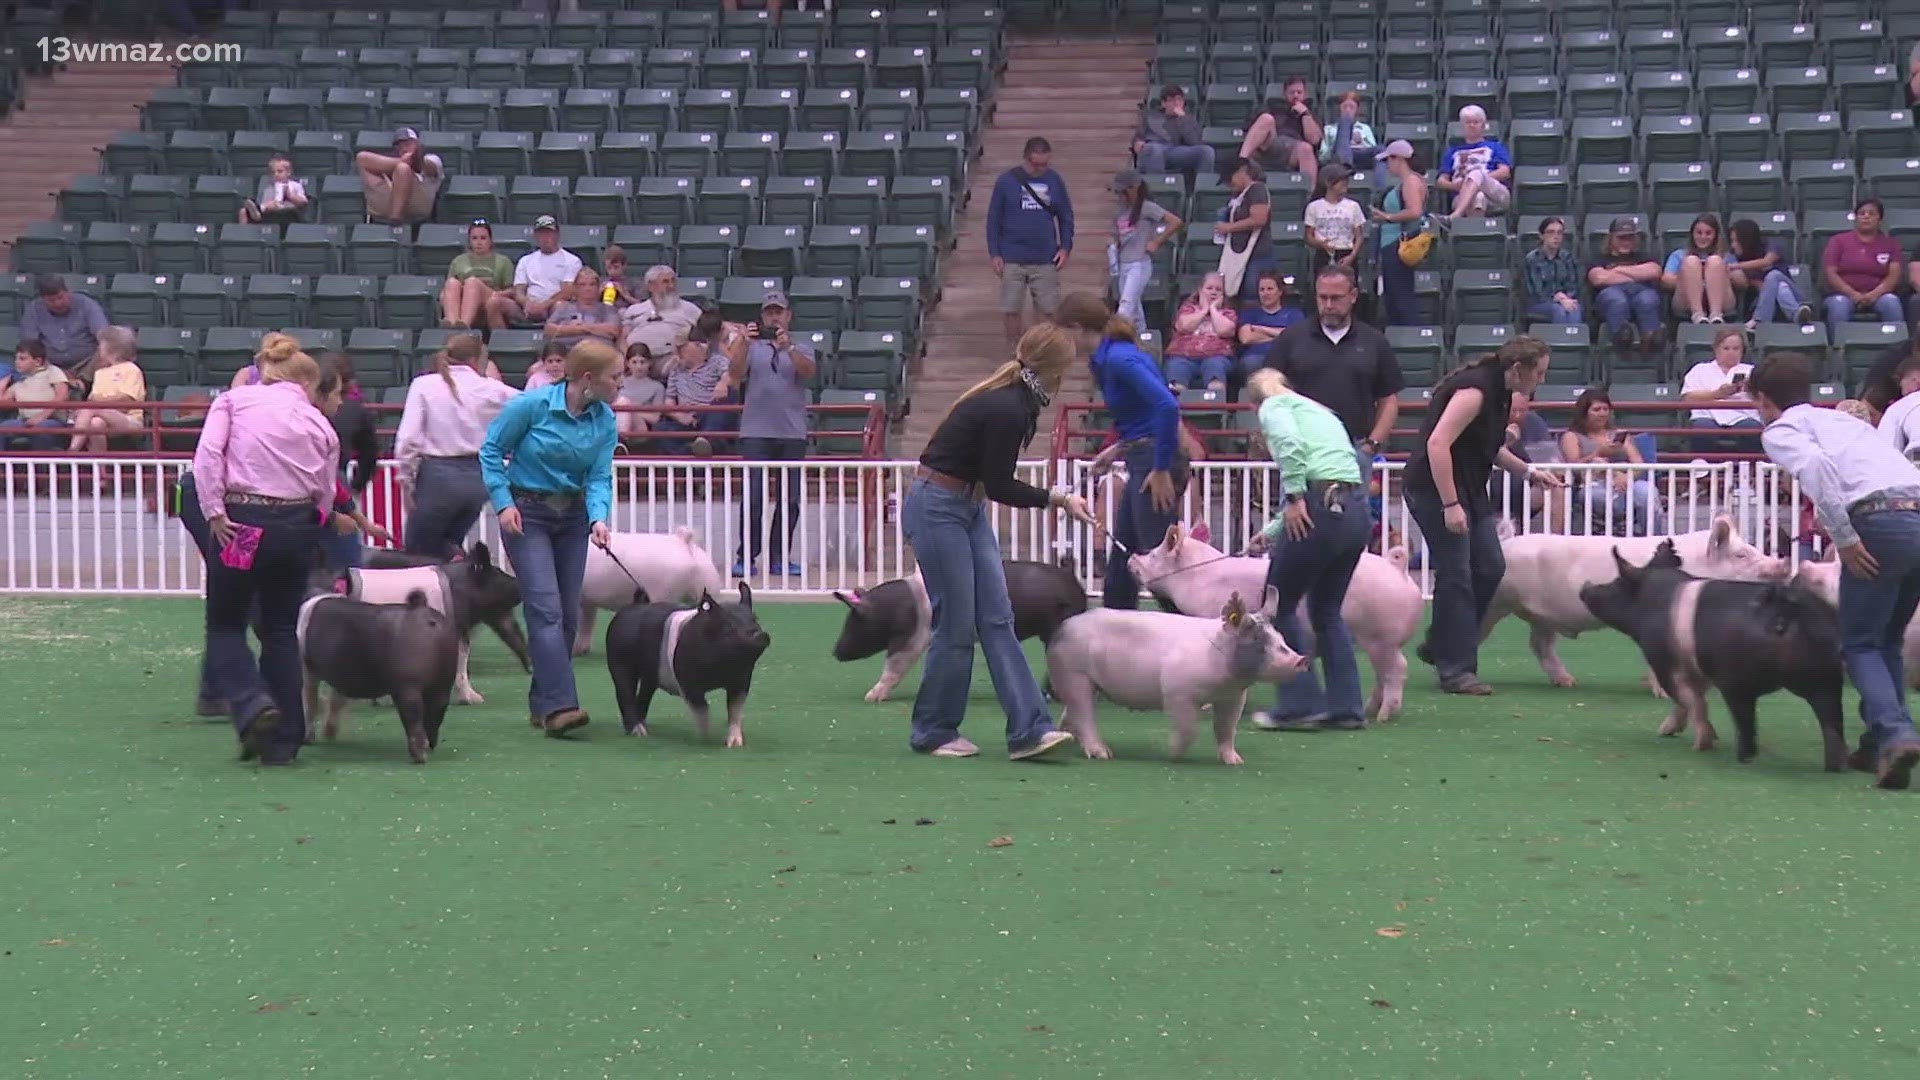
[484,588]
[688,652]
[363,651]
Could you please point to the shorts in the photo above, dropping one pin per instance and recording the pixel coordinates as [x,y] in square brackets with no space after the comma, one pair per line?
[380,198]
[1278,154]
[1494,196]
[1041,279]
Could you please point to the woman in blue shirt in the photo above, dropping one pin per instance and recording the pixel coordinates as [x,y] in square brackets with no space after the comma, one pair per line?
[548,467]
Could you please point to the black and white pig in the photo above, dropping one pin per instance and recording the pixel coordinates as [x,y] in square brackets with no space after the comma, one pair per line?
[897,616]
[1747,638]
[503,624]
[471,590]
[408,651]
[689,653]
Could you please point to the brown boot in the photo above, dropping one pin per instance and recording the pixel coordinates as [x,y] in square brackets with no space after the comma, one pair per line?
[1896,765]
[563,721]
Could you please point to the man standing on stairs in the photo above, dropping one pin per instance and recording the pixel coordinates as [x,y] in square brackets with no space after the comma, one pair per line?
[1029,235]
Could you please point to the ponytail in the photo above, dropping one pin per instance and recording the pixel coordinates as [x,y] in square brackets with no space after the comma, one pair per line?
[467,350]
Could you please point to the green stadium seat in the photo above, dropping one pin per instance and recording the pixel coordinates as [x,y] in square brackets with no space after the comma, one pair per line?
[136,153]
[663,200]
[343,301]
[91,197]
[577,30]
[1883,132]
[1750,186]
[470,198]
[1823,185]
[601,200]
[855,200]
[820,303]
[1849,41]
[626,153]
[1860,344]
[275,299]
[323,65]
[171,108]
[768,110]
[747,29]
[688,154]
[311,249]
[412,107]
[315,153]
[466,29]
[407,29]
[376,249]
[1608,189]
[1479,244]
[1421,349]
[528,109]
[586,241]
[870,360]
[409,299]
[1741,137]
[466,108]
[314,339]
[749,153]
[1894,180]
[1800,89]
[47,247]
[496,68]
[646,245]
[1483,296]
[356,29]
[1589,51]
[692,29]
[791,200]
[740,297]
[529,197]
[167,354]
[787,69]
[139,299]
[344,198]
[109,247]
[1596,94]
[727,200]
[1532,142]
[707,250]
[1786,44]
[248,249]
[835,250]
[230,108]
[176,248]
[811,153]
[1672,139]
[1529,97]
[266,67]
[772,250]
[1784,337]
[227,349]
[380,357]
[1675,185]
[670,68]
[1816,135]
[154,198]
[873,153]
[637,30]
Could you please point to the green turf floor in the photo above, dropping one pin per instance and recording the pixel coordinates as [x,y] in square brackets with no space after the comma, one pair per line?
[1532,885]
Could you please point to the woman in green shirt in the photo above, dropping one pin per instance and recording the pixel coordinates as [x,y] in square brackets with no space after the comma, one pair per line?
[476,274]
[1316,542]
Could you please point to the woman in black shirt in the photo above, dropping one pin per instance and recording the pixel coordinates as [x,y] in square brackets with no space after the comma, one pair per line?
[969,459]
[1463,438]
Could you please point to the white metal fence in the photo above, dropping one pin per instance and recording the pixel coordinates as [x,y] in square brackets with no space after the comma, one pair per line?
[101,526]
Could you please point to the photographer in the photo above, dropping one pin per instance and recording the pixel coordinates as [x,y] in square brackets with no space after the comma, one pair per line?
[776,375]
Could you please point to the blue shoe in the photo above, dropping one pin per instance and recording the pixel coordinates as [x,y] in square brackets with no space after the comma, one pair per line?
[739,570]
[792,569]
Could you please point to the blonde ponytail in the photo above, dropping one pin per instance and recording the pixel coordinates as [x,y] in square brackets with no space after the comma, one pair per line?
[465,349]
[1046,350]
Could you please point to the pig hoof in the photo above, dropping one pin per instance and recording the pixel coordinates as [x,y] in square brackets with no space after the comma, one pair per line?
[1703,744]
[471,697]
[1564,681]
[1231,757]
[735,741]
[1098,751]
[877,694]
[331,729]
[638,731]
[580,650]
[1746,754]
[417,750]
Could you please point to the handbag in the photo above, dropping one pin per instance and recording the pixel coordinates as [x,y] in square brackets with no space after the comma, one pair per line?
[1415,249]
[1233,264]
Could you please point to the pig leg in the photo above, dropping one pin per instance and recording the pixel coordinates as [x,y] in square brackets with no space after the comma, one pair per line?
[336,714]
[434,711]
[412,712]
[1653,685]
[461,686]
[899,665]
[1833,735]
[1677,715]
[310,699]
[507,628]
[1226,720]
[1389,681]
[702,718]
[1076,717]
[1741,703]
[1185,714]
[583,640]
[736,709]
[631,692]
[1694,694]
[1545,642]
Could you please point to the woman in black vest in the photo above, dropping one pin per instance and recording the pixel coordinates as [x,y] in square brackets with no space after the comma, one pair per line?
[1463,438]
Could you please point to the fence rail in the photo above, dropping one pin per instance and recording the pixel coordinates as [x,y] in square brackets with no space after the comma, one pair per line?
[104,525]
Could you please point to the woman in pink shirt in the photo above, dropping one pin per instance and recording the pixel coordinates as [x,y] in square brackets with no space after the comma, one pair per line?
[1862,270]
[264,477]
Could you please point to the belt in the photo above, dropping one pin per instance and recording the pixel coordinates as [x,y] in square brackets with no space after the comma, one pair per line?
[248,498]
[1332,492]
[950,483]
[1874,504]
[551,498]
[450,457]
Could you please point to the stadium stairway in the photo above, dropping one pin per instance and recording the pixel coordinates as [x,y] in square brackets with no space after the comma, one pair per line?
[67,119]
[1086,104]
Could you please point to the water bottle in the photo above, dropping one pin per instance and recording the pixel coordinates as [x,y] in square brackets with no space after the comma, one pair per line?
[608,295]
[893,509]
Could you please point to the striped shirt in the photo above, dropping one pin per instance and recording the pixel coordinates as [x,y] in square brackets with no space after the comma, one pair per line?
[695,387]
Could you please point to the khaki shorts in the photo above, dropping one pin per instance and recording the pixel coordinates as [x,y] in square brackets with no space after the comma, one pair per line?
[380,198]
[1040,279]
[1494,196]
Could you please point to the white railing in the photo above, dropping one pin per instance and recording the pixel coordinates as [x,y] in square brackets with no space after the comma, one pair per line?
[101,526]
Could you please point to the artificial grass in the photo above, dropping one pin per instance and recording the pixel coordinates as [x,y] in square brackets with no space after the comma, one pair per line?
[1527,885]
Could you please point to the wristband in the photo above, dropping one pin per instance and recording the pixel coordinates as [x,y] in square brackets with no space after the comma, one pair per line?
[1449,506]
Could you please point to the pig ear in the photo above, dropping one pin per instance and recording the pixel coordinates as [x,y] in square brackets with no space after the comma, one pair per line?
[1235,610]
[852,601]
[1628,572]
[479,556]
[746,596]
[1720,533]
[1172,542]
[1270,603]
[1829,554]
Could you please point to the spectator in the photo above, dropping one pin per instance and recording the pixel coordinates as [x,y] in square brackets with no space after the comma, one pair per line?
[1525,431]
[776,373]
[1721,379]
[1335,223]
[1591,439]
[550,368]
[1202,347]
[1262,322]
[402,186]
[1900,424]
[1696,274]
[1399,215]
[539,278]
[640,386]
[474,278]
[1476,170]
[661,321]
[1140,230]
[1169,138]
[66,323]
[1913,75]
[614,261]
[275,348]
[1343,364]
[1351,142]
[32,380]
[1285,135]
[583,312]
[1243,228]
[281,198]
[1551,278]
[116,377]
[1862,269]
[438,445]
[1753,258]
[1623,278]
[697,375]
[339,397]
[1029,235]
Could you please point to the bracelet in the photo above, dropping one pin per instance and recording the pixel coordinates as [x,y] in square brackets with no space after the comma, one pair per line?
[1449,506]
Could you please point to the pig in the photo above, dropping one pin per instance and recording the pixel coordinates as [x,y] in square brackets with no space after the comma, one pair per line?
[1546,572]
[1383,608]
[503,624]
[689,653]
[471,590]
[1823,578]
[409,652]
[670,566]
[896,616]
[1175,663]
[1749,639]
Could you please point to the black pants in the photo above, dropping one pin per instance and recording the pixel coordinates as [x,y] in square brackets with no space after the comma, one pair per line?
[448,495]
[196,525]
[277,581]
[785,491]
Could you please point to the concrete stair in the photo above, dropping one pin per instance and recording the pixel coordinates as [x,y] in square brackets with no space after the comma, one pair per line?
[1081,94]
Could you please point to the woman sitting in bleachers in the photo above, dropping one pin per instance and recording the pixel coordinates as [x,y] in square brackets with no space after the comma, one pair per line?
[1614,494]
[1201,351]
[1756,263]
[116,377]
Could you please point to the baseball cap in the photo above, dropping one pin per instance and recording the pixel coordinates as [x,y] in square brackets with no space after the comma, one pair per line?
[774,298]
[1624,226]
[1124,180]
[1399,148]
[405,134]
[545,221]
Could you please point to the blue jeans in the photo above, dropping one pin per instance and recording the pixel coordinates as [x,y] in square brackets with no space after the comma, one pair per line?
[1648,517]
[706,423]
[448,495]
[13,434]
[1466,573]
[1396,289]
[1550,311]
[1840,312]
[1158,158]
[1775,295]
[1194,372]
[1873,624]
[1133,277]
[550,559]
[277,582]
[1724,442]
[786,490]
[1319,569]
[1635,303]
[959,558]
[1137,525]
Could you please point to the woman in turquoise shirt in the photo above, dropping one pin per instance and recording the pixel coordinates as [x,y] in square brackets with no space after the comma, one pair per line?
[548,467]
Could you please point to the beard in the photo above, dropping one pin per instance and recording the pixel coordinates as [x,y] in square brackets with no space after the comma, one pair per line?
[667,299]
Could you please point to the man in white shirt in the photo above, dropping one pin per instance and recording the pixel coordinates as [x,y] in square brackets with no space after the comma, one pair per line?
[1868,497]
[662,320]
[538,278]
[1900,424]
[438,446]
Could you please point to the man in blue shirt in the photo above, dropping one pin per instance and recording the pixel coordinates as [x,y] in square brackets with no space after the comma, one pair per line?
[1029,235]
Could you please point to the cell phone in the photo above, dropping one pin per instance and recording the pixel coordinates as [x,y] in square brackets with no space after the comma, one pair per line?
[1740,379]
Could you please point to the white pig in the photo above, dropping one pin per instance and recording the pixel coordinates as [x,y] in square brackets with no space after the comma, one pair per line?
[1545,573]
[1824,579]
[1178,664]
[1382,610]
[671,566]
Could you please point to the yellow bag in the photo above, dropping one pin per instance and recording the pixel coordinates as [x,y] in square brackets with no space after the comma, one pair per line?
[1414,249]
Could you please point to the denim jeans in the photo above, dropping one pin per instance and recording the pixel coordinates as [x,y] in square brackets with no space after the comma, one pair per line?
[1136,524]
[1635,303]
[1602,498]
[1396,289]
[1466,573]
[1775,295]
[786,487]
[550,559]
[1722,442]
[707,423]
[448,496]
[13,434]
[277,581]
[1319,568]
[1873,623]
[1158,158]
[959,559]
[1840,312]
[1133,279]
[1550,311]
[1195,373]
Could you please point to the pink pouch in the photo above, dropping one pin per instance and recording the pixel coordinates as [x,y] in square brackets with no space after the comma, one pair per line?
[238,554]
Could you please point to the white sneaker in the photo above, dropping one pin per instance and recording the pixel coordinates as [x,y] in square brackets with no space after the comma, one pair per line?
[1052,740]
[956,748]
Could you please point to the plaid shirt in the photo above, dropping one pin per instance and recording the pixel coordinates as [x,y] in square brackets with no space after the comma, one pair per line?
[1550,274]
